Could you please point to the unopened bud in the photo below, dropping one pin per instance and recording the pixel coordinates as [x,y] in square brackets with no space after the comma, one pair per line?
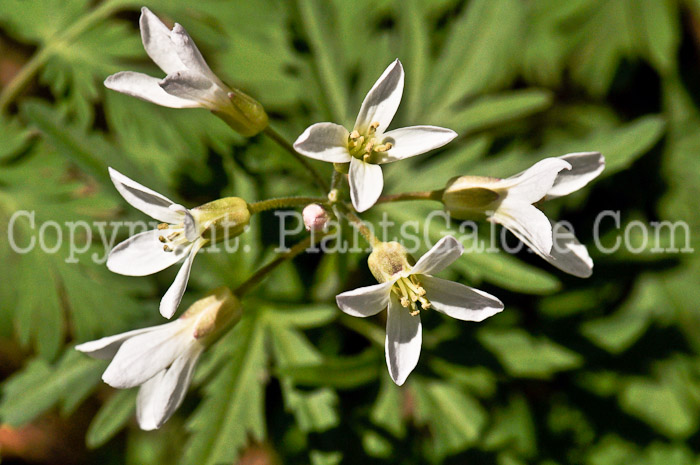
[245,115]
[222,219]
[211,315]
[470,197]
[315,217]
[387,259]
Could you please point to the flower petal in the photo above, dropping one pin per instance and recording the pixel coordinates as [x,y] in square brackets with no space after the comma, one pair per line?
[143,356]
[585,166]
[365,301]
[325,142]
[567,253]
[150,202]
[532,185]
[403,341]
[160,396]
[460,301]
[528,223]
[366,184]
[171,299]
[156,40]
[192,85]
[439,257]
[191,230]
[190,55]
[106,347]
[143,254]
[146,88]
[408,142]
[382,100]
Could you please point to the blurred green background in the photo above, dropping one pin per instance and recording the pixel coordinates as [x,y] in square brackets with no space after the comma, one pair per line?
[604,370]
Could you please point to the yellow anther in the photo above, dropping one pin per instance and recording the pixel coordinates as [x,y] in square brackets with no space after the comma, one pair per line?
[354,135]
[366,157]
[383,147]
[414,312]
[369,145]
[162,239]
[373,127]
[405,302]
[166,248]
[162,226]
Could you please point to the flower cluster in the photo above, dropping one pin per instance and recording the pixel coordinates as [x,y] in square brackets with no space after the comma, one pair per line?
[161,359]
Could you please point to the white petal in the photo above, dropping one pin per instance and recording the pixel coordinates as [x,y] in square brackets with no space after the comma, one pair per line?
[408,142]
[382,100]
[143,356]
[567,253]
[532,185]
[460,301]
[146,88]
[156,40]
[439,257]
[171,299]
[106,347]
[189,54]
[365,301]
[585,166]
[191,230]
[150,202]
[325,142]
[366,184]
[160,396]
[192,85]
[146,402]
[403,341]
[526,221]
[143,254]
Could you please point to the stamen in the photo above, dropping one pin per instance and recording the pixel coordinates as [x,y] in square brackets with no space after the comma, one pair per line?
[166,248]
[354,135]
[383,147]
[411,294]
[373,127]
[162,226]
[162,239]
[366,157]
[405,302]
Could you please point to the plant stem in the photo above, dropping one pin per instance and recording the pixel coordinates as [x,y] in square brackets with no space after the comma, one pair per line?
[283,202]
[282,142]
[63,39]
[425,195]
[358,223]
[248,285]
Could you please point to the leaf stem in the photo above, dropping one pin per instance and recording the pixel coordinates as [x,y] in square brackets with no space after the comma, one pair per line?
[282,142]
[283,202]
[358,223]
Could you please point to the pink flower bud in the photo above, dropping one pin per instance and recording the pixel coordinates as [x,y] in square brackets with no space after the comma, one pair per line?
[315,217]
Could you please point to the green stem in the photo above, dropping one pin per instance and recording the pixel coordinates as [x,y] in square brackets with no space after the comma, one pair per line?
[63,39]
[425,195]
[358,223]
[282,142]
[283,202]
[259,275]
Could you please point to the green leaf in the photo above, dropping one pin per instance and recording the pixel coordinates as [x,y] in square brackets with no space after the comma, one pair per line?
[455,418]
[523,355]
[40,386]
[111,418]
[232,409]
[339,372]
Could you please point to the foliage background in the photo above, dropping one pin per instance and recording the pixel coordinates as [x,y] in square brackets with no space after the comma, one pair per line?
[598,371]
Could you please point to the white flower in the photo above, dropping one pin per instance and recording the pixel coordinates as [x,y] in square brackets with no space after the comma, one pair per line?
[189,83]
[406,290]
[368,145]
[180,235]
[510,202]
[161,359]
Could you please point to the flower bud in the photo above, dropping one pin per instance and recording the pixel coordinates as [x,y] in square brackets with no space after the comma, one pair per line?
[218,311]
[245,115]
[315,217]
[221,219]
[387,259]
[470,197]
